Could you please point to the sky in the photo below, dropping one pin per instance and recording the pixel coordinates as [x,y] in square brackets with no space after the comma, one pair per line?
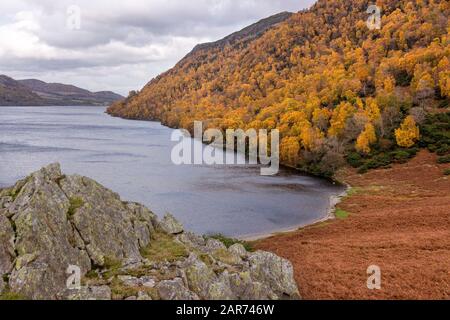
[116,45]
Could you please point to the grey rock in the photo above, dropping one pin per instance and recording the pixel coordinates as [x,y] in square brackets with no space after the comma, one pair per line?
[245,288]
[42,232]
[2,285]
[204,282]
[72,220]
[143,296]
[175,290]
[275,272]
[103,221]
[214,244]
[170,225]
[90,293]
[238,250]
[7,254]
[191,239]
[147,282]
[129,281]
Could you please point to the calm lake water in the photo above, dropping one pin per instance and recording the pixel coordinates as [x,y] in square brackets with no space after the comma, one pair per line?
[133,159]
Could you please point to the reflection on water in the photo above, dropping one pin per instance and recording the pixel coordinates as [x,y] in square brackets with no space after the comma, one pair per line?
[133,159]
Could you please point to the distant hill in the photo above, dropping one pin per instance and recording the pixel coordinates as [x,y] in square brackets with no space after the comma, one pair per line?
[32,92]
[14,93]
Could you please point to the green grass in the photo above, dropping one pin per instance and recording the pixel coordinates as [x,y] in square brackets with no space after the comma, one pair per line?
[164,248]
[112,267]
[341,214]
[75,204]
[228,242]
[353,191]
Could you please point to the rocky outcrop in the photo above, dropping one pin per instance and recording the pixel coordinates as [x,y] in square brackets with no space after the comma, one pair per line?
[51,224]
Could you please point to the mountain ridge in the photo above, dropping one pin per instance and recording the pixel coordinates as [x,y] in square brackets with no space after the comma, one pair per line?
[34,92]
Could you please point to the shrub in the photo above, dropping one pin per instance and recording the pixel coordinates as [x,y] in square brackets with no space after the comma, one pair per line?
[400,155]
[355,160]
[443,150]
[445,159]
[447,172]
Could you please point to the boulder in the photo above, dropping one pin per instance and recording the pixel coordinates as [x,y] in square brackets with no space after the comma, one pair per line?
[90,293]
[170,225]
[277,273]
[238,250]
[175,290]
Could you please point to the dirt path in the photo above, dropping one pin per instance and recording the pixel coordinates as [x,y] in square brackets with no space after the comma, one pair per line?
[400,221]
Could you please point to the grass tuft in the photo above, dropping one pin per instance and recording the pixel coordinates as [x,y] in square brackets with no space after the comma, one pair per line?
[341,214]
[164,248]
[75,204]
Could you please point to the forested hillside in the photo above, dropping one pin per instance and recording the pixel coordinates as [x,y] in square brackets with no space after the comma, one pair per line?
[336,90]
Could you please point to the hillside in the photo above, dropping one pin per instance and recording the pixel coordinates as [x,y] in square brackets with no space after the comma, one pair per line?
[336,90]
[15,93]
[397,219]
[33,92]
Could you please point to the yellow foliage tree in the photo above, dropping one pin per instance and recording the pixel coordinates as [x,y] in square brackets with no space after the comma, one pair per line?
[290,150]
[366,139]
[408,133]
[339,118]
[373,110]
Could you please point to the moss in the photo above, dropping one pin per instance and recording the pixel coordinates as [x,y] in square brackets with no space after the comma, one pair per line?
[225,256]
[112,267]
[75,204]
[8,295]
[206,259]
[228,242]
[92,274]
[341,214]
[164,248]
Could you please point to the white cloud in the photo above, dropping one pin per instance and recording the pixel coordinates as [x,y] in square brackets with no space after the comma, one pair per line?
[121,44]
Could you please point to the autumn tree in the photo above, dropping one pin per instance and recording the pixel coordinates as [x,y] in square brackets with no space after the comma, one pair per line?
[366,139]
[290,150]
[408,133]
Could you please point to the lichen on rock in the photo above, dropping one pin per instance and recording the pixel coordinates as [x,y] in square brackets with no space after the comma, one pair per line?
[50,221]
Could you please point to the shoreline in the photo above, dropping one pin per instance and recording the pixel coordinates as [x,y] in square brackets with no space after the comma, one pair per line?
[334,200]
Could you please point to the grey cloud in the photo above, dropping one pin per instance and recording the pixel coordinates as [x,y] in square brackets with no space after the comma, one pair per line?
[124,36]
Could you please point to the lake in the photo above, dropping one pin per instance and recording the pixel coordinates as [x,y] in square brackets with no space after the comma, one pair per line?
[133,159]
